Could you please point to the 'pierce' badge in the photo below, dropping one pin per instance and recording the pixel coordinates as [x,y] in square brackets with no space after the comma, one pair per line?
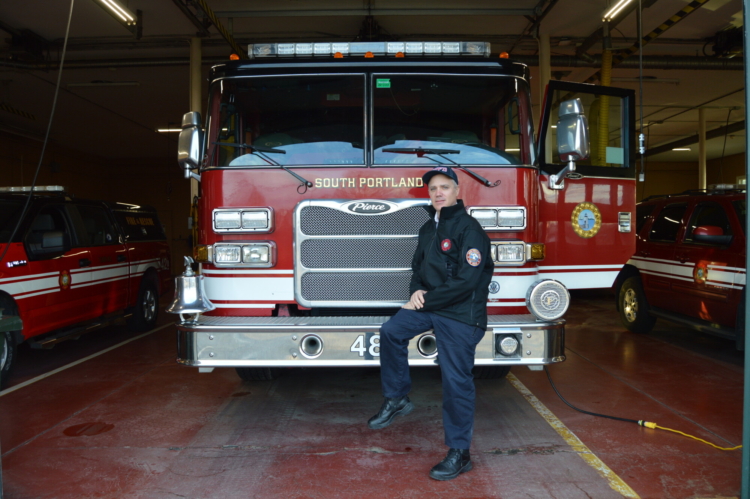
[474,257]
[446,244]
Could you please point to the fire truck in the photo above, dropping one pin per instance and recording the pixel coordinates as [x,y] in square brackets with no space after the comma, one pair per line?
[310,165]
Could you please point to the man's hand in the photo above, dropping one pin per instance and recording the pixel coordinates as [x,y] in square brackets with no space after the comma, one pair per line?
[416,301]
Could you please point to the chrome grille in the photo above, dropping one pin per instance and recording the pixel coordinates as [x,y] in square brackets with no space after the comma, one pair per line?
[372,251]
[356,286]
[325,221]
[357,253]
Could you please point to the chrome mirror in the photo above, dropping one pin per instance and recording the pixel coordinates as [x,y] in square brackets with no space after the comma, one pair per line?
[572,139]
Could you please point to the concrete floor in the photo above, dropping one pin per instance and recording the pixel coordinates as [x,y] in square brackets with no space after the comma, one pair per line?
[131,423]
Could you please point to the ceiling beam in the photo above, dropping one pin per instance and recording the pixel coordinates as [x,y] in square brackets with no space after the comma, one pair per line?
[693,139]
[373,12]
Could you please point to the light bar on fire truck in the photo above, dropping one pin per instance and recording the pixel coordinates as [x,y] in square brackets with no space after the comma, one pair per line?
[400,49]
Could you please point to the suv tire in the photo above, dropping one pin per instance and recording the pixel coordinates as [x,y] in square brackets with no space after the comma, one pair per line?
[7,357]
[634,307]
[146,308]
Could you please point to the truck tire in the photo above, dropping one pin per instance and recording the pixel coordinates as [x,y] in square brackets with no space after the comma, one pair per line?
[146,308]
[258,373]
[490,372]
[634,307]
[7,357]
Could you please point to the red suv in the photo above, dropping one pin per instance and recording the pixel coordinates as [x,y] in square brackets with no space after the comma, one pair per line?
[71,265]
[689,264]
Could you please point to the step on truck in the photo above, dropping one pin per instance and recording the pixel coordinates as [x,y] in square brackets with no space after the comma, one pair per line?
[310,164]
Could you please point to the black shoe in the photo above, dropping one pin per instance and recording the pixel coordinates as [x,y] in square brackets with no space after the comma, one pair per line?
[391,408]
[456,462]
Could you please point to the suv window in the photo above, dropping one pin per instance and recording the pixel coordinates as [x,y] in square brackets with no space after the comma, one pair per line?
[642,211]
[98,227]
[667,223]
[49,229]
[140,226]
[10,210]
[708,214]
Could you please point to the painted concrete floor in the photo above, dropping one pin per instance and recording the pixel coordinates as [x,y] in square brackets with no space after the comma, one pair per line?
[130,423]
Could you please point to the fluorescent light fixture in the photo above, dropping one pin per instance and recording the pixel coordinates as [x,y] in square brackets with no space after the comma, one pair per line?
[682,149]
[612,13]
[119,11]
[132,22]
[168,130]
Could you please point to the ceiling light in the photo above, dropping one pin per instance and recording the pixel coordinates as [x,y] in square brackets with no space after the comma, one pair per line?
[168,130]
[132,22]
[611,13]
[682,149]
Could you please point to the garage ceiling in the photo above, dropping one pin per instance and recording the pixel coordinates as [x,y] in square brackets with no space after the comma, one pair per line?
[118,89]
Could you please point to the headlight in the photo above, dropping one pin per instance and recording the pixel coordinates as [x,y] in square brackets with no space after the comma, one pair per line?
[547,300]
[509,253]
[500,218]
[227,254]
[250,254]
[241,220]
[256,253]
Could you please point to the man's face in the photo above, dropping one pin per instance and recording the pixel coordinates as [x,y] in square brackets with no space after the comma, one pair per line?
[443,191]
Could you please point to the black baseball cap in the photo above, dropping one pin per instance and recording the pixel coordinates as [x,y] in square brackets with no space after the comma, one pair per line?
[440,170]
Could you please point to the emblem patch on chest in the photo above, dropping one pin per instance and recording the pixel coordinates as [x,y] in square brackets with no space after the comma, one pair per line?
[446,244]
[474,257]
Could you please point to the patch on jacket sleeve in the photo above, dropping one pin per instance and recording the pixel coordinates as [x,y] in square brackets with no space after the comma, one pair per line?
[446,244]
[474,257]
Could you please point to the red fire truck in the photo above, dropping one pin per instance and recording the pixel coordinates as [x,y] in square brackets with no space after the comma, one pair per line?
[310,167]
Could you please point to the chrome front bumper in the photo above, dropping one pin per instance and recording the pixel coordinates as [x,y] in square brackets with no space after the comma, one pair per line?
[348,341]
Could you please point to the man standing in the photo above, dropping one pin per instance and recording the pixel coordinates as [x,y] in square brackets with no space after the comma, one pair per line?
[452,269]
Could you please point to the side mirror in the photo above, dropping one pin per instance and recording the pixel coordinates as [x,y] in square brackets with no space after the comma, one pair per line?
[48,243]
[190,144]
[711,234]
[572,139]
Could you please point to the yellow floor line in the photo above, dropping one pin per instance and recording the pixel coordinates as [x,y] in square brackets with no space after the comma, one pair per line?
[615,482]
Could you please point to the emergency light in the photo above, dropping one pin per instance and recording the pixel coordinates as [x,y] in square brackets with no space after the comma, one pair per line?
[395,49]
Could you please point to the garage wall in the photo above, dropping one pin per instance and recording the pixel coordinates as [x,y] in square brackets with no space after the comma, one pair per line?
[725,171]
[158,183]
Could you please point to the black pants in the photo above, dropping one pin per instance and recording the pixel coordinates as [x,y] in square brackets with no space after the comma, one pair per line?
[457,343]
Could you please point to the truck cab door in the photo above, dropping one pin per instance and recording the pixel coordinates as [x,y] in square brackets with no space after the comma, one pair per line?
[586,215]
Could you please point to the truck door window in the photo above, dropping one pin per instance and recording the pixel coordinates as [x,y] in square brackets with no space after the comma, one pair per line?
[309,120]
[667,223]
[97,225]
[485,119]
[708,214]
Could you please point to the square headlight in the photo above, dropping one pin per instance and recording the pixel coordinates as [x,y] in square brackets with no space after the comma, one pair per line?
[511,252]
[511,218]
[254,220]
[255,253]
[226,254]
[486,218]
[227,220]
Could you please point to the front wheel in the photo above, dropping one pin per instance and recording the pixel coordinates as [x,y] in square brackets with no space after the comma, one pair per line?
[634,307]
[258,373]
[146,308]
[8,352]
[490,372]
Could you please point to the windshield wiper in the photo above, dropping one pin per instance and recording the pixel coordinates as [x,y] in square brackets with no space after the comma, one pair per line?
[440,152]
[259,151]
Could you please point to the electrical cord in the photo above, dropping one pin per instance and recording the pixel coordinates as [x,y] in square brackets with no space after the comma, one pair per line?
[46,138]
[647,424]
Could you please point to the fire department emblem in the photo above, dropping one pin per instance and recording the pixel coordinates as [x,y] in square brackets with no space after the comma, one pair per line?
[64,279]
[700,274]
[494,287]
[586,220]
[446,244]
[474,257]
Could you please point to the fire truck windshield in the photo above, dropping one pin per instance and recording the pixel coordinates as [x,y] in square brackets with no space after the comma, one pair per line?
[311,120]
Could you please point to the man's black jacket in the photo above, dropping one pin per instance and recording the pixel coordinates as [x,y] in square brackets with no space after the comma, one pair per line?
[442,266]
